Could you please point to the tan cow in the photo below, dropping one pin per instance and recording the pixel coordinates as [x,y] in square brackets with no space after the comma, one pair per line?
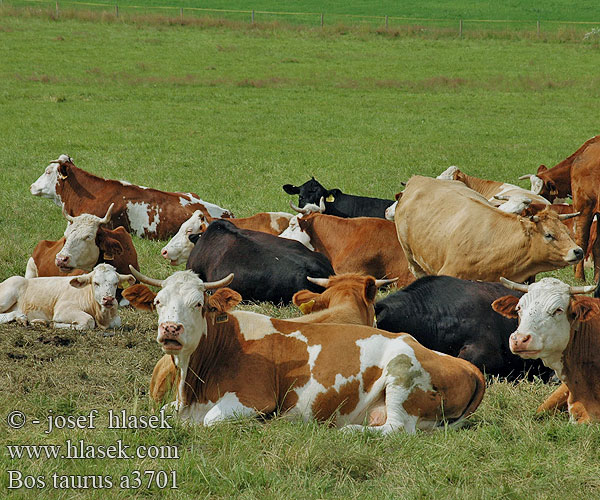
[562,329]
[78,302]
[243,363]
[445,227]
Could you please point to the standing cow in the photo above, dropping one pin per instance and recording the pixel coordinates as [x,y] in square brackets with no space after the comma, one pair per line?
[147,212]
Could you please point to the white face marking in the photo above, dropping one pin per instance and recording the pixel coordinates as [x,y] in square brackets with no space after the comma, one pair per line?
[294,232]
[80,245]
[212,209]
[516,204]
[390,211]
[104,279]
[448,174]
[139,218]
[543,315]
[537,184]
[45,185]
[179,248]
[274,220]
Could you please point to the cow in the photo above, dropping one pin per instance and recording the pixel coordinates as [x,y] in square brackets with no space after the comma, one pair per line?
[85,244]
[79,302]
[445,227]
[347,298]
[495,192]
[266,268]
[146,212]
[561,328]
[336,202]
[576,176]
[455,317]
[365,245]
[178,249]
[246,364]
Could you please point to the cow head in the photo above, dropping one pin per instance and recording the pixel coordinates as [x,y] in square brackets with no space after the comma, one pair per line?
[179,248]
[310,192]
[450,174]
[551,240]
[84,239]
[545,314]
[544,184]
[104,280]
[295,232]
[182,305]
[354,290]
[45,185]
[515,203]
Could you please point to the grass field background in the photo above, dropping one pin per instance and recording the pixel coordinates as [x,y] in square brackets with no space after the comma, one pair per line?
[232,114]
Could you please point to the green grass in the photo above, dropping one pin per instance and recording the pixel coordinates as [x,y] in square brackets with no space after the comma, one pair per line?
[234,113]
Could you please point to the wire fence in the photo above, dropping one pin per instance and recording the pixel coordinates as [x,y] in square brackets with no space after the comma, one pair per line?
[314,19]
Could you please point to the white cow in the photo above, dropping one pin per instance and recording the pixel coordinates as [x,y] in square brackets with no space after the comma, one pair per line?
[179,247]
[79,302]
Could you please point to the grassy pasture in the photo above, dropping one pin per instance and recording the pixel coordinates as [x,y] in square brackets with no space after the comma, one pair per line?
[233,114]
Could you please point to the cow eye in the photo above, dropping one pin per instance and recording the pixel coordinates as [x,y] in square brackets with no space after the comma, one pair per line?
[199,305]
[188,231]
[549,236]
[557,311]
[156,302]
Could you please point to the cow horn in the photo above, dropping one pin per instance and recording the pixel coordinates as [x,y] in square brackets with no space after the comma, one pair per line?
[297,209]
[66,215]
[521,287]
[526,176]
[145,279]
[573,290]
[379,283]
[218,284]
[319,281]
[106,218]
[568,216]
[501,197]
[322,204]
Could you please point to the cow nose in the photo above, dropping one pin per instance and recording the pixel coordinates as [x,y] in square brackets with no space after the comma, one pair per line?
[170,329]
[578,253]
[60,259]
[108,301]
[520,340]
[165,253]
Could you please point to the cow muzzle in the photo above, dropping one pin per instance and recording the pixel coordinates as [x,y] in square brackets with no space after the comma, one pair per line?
[574,255]
[109,301]
[169,334]
[62,262]
[519,344]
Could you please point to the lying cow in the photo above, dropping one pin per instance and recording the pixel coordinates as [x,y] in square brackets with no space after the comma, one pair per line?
[365,245]
[79,302]
[179,248]
[336,202]
[347,298]
[243,363]
[447,228]
[455,316]
[85,244]
[266,268]
[562,329]
[147,212]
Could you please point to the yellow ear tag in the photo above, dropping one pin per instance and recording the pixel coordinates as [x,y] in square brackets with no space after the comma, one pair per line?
[306,307]
[330,198]
[109,256]
[554,192]
[222,318]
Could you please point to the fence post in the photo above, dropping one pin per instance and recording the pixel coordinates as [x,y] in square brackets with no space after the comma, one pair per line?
[386,22]
[321,19]
[252,16]
[460,28]
[57,9]
[116,11]
[538,27]
[181,14]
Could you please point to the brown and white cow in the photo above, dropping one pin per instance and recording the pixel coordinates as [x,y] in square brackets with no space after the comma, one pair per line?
[85,244]
[497,193]
[562,329]
[243,363]
[147,212]
[577,176]
[179,247]
[447,228]
[79,302]
[367,245]
[348,299]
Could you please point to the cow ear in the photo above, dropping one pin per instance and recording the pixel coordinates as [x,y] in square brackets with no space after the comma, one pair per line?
[223,300]
[140,297]
[289,189]
[81,281]
[584,308]
[541,169]
[302,223]
[109,246]
[126,280]
[551,187]
[194,238]
[62,171]
[507,306]
[304,297]
[370,289]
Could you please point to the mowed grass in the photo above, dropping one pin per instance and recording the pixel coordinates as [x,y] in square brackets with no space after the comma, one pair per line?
[233,114]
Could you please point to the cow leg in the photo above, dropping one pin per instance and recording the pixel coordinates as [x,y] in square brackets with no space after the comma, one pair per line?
[582,233]
[31,271]
[227,407]
[556,401]
[78,320]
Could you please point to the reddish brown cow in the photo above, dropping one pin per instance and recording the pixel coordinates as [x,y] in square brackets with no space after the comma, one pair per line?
[147,212]
[366,245]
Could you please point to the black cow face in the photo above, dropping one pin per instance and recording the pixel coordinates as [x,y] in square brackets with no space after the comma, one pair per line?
[310,192]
